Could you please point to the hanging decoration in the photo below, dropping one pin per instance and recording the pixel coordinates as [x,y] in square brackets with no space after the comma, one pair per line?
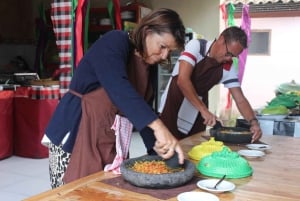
[246,26]
[224,13]
[230,22]
[259,1]
[241,61]
[62,20]
[80,29]
[78,49]
[86,24]
[42,39]
[69,19]
[231,10]
[114,10]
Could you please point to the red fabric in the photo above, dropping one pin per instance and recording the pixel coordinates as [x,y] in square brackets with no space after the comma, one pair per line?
[79,32]
[227,65]
[117,9]
[6,125]
[31,119]
[228,105]
[224,13]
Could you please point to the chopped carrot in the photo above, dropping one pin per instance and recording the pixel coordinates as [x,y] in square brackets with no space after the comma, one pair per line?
[151,167]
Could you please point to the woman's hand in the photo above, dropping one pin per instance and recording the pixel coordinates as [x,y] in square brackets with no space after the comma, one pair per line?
[166,144]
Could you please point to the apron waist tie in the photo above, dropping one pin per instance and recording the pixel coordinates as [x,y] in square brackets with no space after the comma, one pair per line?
[75,93]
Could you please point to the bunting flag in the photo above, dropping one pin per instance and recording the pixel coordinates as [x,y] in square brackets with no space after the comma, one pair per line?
[230,22]
[86,25]
[114,10]
[118,14]
[80,30]
[231,10]
[246,26]
[224,13]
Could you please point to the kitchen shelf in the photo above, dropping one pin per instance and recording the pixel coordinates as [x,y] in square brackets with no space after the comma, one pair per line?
[96,29]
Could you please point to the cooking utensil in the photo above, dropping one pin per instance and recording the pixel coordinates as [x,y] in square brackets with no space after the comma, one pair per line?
[173,162]
[158,181]
[215,187]
[232,134]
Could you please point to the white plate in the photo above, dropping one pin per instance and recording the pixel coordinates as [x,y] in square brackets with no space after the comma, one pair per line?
[251,153]
[197,196]
[207,184]
[260,147]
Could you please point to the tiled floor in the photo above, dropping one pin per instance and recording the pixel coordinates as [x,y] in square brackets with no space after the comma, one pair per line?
[21,177]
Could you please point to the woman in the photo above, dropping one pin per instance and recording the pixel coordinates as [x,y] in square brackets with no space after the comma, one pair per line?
[112,78]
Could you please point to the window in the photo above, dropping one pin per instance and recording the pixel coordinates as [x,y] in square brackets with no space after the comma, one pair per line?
[260,42]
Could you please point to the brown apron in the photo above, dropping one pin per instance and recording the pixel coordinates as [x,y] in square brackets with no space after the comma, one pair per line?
[207,73]
[95,142]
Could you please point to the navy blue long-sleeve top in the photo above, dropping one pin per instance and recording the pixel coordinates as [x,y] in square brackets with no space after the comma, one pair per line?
[103,65]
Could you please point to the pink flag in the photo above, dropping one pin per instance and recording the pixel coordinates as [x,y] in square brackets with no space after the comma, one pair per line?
[246,26]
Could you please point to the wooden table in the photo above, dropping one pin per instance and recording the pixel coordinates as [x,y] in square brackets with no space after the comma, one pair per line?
[276,177]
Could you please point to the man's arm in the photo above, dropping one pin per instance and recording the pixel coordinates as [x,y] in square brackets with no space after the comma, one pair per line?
[247,112]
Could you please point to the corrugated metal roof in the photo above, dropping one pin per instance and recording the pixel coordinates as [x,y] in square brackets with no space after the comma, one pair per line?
[259,1]
[278,6]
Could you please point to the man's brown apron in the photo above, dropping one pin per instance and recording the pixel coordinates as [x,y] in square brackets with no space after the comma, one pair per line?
[95,143]
[207,73]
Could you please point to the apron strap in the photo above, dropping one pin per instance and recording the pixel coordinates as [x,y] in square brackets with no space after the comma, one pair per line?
[75,93]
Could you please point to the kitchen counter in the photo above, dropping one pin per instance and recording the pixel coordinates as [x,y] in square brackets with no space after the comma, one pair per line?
[275,177]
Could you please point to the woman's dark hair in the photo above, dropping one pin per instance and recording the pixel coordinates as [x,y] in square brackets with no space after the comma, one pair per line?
[159,21]
[234,33]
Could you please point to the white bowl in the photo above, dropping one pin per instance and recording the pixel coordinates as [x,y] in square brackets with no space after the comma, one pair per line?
[251,153]
[208,184]
[197,196]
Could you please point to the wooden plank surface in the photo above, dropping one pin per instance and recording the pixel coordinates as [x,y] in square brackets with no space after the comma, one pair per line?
[275,177]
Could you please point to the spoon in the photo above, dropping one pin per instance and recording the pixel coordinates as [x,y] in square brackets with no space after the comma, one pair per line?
[215,187]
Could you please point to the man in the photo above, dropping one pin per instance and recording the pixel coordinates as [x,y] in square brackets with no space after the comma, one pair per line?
[203,64]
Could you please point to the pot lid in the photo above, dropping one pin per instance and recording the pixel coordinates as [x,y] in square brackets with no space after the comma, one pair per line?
[289,87]
[225,162]
[205,148]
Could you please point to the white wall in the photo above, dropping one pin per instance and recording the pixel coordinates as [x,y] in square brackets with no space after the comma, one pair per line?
[263,74]
[200,15]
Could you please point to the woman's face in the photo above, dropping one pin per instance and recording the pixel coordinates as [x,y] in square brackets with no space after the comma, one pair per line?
[158,47]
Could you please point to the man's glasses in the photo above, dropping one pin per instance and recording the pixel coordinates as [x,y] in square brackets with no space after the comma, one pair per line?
[229,54]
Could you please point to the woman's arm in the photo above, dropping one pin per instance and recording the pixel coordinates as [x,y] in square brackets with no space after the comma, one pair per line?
[166,144]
